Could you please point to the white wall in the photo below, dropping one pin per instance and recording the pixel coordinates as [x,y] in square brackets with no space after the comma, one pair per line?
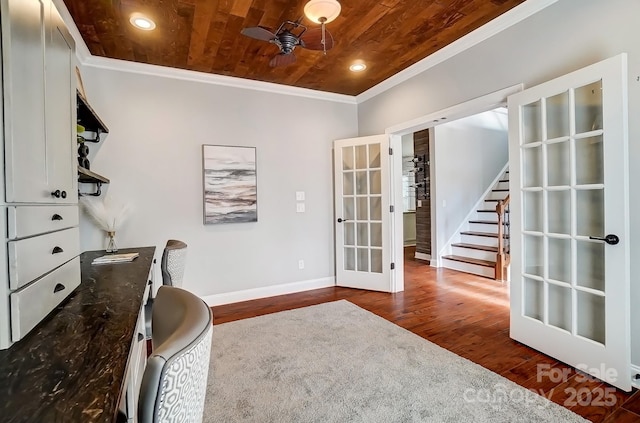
[461,179]
[564,37]
[153,157]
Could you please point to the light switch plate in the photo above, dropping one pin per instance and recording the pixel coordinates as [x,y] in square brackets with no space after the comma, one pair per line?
[299,195]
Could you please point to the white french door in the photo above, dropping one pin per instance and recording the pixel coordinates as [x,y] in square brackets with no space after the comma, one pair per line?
[362,210]
[570,220]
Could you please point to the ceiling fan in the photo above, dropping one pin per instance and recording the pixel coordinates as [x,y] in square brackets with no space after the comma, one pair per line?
[289,36]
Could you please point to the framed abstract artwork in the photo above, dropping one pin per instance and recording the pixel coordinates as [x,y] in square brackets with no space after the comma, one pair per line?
[230,184]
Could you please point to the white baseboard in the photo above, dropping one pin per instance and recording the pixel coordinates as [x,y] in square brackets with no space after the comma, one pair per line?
[423,256]
[268,291]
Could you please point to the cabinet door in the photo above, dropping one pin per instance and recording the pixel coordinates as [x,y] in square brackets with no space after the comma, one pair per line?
[23,80]
[60,110]
[38,100]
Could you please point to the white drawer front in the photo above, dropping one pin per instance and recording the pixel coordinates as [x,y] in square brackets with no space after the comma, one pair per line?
[31,304]
[27,221]
[33,257]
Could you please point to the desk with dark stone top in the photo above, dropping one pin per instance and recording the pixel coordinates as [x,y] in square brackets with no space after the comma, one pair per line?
[72,366]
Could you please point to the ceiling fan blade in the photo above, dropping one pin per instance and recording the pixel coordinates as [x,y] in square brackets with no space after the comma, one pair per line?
[282,59]
[258,33]
[312,39]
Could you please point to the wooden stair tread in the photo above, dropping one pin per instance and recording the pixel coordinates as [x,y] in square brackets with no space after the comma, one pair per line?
[484,234]
[503,180]
[476,247]
[493,200]
[490,211]
[500,190]
[469,260]
[484,222]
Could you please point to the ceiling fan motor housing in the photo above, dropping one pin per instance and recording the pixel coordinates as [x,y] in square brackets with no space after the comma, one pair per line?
[287,42]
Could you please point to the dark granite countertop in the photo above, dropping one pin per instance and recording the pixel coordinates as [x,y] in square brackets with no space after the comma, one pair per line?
[71,367]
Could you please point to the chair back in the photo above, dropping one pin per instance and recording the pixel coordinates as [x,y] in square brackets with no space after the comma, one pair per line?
[174,383]
[174,259]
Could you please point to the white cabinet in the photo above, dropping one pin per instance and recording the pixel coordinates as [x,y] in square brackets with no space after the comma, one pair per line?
[39,240]
[39,104]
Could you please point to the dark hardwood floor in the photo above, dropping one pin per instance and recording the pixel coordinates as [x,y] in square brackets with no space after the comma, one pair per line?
[469,316]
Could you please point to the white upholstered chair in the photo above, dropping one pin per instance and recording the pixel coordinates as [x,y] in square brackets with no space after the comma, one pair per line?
[175,380]
[174,259]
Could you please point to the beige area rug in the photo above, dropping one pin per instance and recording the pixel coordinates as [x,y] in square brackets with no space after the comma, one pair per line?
[336,362]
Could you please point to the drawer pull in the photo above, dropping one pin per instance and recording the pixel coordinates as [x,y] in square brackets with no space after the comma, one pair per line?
[57,250]
[56,217]
[59,287]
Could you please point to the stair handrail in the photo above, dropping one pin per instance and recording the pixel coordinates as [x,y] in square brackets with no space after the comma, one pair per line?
[502,256]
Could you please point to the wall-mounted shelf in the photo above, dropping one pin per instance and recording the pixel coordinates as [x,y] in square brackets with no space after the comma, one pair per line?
[86,176]
[88,118]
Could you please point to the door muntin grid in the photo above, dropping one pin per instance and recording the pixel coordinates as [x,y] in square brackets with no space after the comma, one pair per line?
[362,208]
[562,188]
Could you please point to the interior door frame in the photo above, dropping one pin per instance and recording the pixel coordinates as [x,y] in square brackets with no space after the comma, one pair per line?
[477,105]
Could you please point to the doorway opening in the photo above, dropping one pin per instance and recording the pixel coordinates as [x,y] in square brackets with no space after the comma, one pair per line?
[454,189]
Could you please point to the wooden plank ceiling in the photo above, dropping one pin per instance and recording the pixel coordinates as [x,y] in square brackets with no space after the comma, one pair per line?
[204,35]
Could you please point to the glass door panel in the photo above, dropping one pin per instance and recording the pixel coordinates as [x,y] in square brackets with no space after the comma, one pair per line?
[532,161]
[588,107]
[559,212]
[532,117]
[590,265]
[558,116]
[590,220]
[558,164]
[589,161]
[560,307]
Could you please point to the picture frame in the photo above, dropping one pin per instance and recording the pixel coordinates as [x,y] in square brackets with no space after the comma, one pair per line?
[230,184]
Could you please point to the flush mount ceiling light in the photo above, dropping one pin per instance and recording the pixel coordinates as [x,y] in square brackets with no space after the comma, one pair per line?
[322,12]
[358,66]
[140,21]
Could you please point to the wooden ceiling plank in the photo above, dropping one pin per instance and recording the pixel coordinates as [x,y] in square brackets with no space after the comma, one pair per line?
[240,49]
[203,15]
[241,8]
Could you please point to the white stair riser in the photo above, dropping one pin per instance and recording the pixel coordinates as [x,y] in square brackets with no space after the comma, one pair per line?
[472,253]
[483,227]
[479,240]
[499,195]
[469,268]
[502,185]
[492,217]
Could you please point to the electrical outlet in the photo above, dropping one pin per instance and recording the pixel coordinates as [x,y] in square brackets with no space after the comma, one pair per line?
[300,264]
[419,203]
[300,207]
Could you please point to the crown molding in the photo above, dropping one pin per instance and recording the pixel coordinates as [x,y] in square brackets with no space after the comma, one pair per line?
[208,78]
[502,22]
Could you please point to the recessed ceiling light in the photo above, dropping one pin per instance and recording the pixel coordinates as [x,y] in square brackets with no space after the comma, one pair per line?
[358,66]
[140,21]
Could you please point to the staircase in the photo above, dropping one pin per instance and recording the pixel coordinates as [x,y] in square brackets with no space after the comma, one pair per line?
[476,248]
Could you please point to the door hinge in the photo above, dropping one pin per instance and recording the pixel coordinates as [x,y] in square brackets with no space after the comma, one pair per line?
[393,266]
[390,151]
[391,209]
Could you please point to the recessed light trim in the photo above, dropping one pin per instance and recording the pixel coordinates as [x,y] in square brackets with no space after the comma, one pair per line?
[358,66]
[142,22]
